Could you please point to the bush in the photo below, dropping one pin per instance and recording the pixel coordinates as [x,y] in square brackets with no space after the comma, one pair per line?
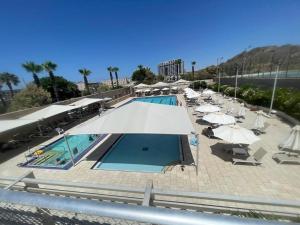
[31,96]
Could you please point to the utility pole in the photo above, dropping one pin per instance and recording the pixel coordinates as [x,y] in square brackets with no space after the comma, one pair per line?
[274,89]
[219,60]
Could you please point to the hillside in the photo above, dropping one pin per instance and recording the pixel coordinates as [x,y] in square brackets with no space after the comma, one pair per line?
[264,59]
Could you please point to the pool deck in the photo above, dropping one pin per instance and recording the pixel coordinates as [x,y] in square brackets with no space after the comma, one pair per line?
[217,174]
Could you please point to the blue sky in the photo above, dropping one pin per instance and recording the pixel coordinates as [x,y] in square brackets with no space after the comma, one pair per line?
[96,34]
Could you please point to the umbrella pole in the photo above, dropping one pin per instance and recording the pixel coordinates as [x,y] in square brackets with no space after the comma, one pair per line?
[69,149]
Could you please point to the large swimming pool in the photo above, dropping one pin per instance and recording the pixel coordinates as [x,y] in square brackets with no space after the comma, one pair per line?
[57,154]
[143,152]
[166,100]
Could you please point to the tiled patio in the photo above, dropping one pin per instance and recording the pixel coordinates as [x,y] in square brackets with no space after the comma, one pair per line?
[217,174]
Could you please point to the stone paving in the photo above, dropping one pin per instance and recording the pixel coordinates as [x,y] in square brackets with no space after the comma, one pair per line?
[217,174]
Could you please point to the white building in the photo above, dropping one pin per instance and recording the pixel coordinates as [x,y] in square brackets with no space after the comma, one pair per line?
[122,82]
[171,69]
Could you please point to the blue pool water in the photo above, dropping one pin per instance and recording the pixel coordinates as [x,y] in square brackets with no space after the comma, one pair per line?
[57,154]
[142,153]
[166,100]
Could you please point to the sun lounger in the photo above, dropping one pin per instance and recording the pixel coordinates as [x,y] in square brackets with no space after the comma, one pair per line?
[282,158]
[255,159]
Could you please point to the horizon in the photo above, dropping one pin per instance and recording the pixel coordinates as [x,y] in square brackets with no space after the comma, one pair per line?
[96,35]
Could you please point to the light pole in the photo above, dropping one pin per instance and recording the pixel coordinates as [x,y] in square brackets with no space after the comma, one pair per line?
[219,60]
[236,77]
[274,89]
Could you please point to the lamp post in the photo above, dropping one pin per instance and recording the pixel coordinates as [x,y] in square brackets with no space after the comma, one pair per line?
[236,77]
[219,60]
[274,89]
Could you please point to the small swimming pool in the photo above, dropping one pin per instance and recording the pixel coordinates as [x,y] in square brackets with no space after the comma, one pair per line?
[142,153]
[166,100]
[57,154]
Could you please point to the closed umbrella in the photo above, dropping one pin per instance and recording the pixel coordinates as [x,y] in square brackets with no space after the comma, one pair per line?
[242,111]
[235,134]
[292,143]
[259,122]
[219,118]
[207,108]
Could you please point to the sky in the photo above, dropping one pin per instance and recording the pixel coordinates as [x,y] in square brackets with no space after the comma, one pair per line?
[95,34]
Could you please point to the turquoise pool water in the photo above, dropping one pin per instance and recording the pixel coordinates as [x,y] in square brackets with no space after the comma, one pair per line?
[57,154]
[166,100]
[142,153]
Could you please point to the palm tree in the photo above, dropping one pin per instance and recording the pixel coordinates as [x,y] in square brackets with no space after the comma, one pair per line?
[1,95]
[116,69]
[178,63]
[85,72]
[33,68]
[140,67]
[110,70]
[50,67]
[9,79]
[193,69]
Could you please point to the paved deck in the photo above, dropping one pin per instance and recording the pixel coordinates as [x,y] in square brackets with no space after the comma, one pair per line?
[216,172]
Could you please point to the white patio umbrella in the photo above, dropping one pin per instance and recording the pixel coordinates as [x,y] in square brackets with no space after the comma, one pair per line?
[259,122]
[219,118]
[165,89]
[193,95]
[147,90]
[208,92]
[156,89]
[138,91]
[292,143]
[141,85]
[235,134]
[207,108]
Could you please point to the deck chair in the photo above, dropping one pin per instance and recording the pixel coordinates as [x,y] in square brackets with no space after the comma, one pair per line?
[282,158]
[255,159]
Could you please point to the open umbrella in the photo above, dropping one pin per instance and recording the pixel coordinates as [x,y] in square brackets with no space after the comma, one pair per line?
[207,108]
[292,143]
[219,118]
[235,134]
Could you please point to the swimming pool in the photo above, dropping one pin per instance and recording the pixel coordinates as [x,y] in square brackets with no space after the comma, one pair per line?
[57,154]
[166,100]
[142,153]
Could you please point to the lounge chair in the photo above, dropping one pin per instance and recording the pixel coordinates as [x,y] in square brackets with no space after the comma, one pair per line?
[282,158]
[255,159]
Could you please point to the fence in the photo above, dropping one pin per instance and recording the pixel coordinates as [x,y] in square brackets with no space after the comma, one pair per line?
[69,201]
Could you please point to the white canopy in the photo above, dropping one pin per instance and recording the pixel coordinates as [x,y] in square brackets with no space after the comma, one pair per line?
[207,108]
[160,84]
[141,85]
[293,140]
[219,118]
[107,99]
[49,111]
[86,101]
[7,125]
[235,134]
[140,117]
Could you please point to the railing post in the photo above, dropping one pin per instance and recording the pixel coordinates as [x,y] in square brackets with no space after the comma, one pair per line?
[148,196]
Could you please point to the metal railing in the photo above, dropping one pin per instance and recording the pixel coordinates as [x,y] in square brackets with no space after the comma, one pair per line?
[122,211]
[149,196]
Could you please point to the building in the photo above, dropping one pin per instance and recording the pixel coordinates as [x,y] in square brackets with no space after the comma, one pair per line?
[122,82]
[171,69]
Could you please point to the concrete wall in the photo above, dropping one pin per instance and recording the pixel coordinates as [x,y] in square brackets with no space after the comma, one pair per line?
[114,94]
[263,82]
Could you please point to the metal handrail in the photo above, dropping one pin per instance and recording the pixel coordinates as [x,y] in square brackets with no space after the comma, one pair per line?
[155,191]
[124,211]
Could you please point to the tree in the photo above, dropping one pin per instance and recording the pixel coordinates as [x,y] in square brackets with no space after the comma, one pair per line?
[9,79]
[193,69]
[178,63]
[35,69]
[143,74]
[85,72]
[66,89]
[31,96]
[116,69]
[1,96]
[50,67]
[110,70]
